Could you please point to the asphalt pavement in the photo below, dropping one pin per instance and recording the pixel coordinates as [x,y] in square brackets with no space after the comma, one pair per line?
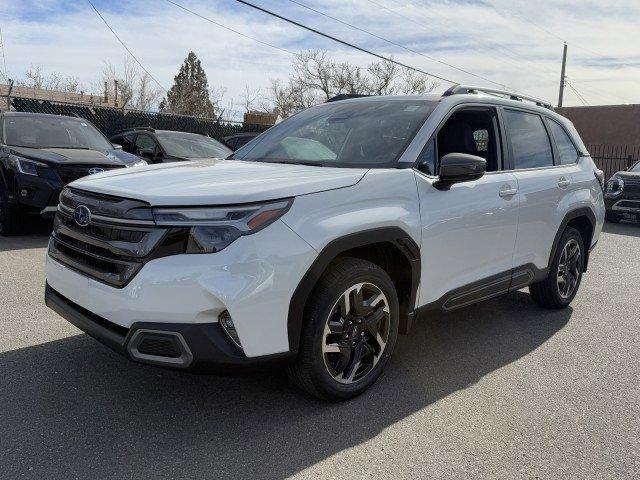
[502,389]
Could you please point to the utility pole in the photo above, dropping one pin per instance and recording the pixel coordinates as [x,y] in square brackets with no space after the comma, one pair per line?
[562,76]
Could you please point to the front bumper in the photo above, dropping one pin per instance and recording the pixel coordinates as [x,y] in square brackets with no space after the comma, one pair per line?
[36,195]
[623,204]
[253,279]
[195,347]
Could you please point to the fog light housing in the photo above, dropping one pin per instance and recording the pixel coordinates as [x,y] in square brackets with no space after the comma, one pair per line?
[229,328]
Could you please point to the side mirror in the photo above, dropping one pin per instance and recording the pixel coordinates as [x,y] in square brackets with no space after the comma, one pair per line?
[116,146]
[148,153]
[459,167]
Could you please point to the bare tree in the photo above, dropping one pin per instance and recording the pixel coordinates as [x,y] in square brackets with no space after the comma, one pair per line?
[34,77]
[250,98]
[316,78]
[135,88]
[147,94]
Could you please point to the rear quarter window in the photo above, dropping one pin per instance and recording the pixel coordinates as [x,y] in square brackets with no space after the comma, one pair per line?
[566,150]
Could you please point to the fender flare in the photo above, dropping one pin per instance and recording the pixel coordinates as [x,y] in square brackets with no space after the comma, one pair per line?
[394,235]
[578,212]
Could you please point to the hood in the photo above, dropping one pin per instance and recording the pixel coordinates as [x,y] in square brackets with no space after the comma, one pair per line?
[218,182]
[66,155]
[125,157]
[624,175]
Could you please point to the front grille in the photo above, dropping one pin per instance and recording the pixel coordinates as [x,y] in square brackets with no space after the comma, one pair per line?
[105,232]
[69,173]
[119,240]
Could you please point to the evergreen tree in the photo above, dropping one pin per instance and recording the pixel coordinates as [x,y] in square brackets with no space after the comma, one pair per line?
[189,94]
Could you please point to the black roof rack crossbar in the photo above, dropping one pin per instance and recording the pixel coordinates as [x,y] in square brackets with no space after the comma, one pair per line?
[346,96]
[148,129]
[462,89]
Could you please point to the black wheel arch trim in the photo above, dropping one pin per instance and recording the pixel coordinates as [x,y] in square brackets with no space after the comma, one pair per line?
[571,215]
[395,235]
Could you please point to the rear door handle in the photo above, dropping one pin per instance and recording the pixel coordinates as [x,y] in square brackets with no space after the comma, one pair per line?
[507,192]
[563,182]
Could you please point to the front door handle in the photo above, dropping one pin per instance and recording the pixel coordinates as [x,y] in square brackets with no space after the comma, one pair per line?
[507,192]
[563,182]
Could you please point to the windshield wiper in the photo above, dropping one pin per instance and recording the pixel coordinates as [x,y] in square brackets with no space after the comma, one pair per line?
[291,162]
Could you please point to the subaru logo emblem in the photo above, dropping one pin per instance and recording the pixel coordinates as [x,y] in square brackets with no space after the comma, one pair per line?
[82,215]
[95,170]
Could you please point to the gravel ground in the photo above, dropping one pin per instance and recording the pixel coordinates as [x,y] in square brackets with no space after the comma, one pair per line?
[498,390]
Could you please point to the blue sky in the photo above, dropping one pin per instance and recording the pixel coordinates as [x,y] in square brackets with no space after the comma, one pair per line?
[513,43]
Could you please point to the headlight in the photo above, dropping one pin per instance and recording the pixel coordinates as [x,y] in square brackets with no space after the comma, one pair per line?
[615,186]
[22,165]
[214,228]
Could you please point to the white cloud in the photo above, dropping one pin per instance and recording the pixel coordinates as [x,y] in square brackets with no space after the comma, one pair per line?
[516,43]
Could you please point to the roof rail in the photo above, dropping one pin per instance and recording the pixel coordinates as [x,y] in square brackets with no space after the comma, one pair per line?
[148,129]
[346,96]
[462,89]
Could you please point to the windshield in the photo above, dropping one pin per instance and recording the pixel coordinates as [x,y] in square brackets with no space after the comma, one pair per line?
[53,132]
[353,134]
[635,168]
[191,145]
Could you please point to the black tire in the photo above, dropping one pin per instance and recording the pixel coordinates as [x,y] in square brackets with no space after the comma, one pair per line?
[8,222]
[547,293]
[310,372]
[613,217]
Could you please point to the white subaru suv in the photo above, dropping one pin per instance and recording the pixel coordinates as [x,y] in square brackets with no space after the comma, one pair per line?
[321,240]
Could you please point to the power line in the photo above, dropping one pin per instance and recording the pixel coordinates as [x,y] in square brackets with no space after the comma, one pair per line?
[125,46]
[550,33]
[396,44]
[501,59]
[229,28]
[343,42]
[580,97]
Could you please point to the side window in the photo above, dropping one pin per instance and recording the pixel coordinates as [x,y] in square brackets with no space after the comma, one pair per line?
[529,140]
[144,142]
[470,130]
[125,140]
[568,153]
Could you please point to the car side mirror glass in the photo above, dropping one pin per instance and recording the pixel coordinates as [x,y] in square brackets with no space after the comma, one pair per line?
[459,167]
[148,153]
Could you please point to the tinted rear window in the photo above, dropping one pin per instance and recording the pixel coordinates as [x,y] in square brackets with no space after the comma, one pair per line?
[568,153]
[529,140]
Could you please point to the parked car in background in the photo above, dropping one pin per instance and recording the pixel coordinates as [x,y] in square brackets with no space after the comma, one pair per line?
[622,196]
[40,154]
[234,142]
[158,146]
[327,237]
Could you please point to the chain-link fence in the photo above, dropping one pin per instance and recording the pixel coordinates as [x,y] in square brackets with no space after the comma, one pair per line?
[113,120]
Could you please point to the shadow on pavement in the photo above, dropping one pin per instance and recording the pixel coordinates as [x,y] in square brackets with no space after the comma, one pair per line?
[34,233]
[628,228]
[71,408]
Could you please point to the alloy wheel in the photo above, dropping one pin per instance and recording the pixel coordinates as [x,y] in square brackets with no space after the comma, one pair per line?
[356,333]
[569,268]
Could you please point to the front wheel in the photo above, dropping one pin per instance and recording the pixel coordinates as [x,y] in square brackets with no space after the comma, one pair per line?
[349,333]
[565,273]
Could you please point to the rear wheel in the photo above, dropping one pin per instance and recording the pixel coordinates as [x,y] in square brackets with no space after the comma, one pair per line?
[565,273]
[613,217]
[350,330]
[8,225]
